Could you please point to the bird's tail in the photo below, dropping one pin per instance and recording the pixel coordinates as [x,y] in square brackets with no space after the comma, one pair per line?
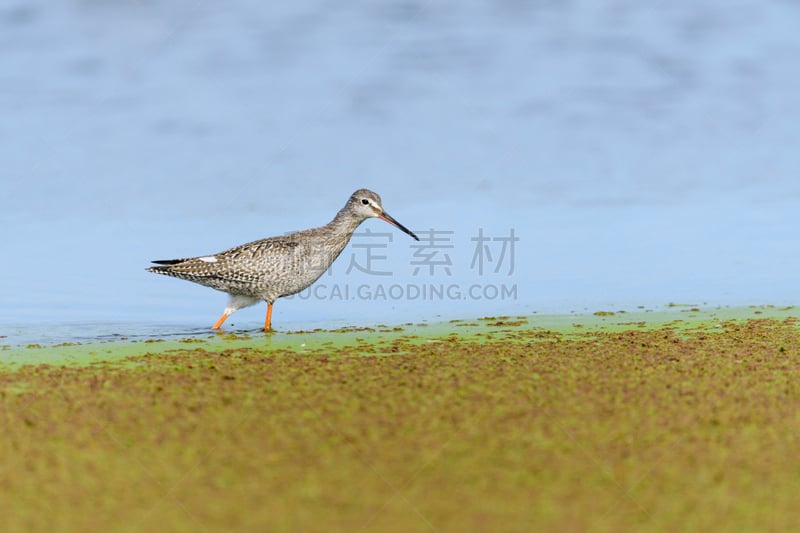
[166,266]
[168,261]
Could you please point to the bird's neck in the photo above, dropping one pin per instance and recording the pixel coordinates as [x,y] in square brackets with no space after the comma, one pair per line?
[344,223]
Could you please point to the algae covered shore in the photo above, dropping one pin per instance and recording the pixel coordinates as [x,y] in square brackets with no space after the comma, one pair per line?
[602,422]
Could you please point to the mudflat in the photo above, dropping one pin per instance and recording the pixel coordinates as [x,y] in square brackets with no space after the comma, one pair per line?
[507,423]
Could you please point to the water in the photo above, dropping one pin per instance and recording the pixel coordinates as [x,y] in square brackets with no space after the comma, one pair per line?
[642,153]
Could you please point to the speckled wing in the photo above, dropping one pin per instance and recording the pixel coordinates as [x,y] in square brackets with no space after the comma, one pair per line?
[245,269]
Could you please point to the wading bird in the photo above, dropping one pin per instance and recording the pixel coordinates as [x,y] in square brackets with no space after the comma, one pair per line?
[277,266]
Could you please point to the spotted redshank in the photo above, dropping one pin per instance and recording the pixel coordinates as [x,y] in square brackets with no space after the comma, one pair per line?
[278,266]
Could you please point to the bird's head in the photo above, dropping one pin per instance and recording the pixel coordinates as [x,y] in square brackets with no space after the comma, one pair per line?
[367,204]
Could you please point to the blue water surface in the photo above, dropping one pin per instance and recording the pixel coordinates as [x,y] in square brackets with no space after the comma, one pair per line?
[555,157]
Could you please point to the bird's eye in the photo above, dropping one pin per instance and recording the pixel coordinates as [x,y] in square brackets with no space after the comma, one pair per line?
[364,201]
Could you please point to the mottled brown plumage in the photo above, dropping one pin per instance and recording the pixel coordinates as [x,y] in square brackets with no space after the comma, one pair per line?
[277,266]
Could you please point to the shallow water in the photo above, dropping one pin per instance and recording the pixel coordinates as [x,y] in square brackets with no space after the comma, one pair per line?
[642,155]
[126,343]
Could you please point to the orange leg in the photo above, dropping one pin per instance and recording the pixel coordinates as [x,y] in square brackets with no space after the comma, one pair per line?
[268,320]
[219,322]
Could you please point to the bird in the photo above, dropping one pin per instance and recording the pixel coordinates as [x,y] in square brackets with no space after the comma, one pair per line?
[274,267]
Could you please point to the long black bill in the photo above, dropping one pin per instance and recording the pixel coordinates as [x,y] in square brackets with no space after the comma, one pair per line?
[388,218]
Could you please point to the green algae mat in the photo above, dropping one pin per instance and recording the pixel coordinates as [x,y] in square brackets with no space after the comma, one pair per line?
[605,422]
